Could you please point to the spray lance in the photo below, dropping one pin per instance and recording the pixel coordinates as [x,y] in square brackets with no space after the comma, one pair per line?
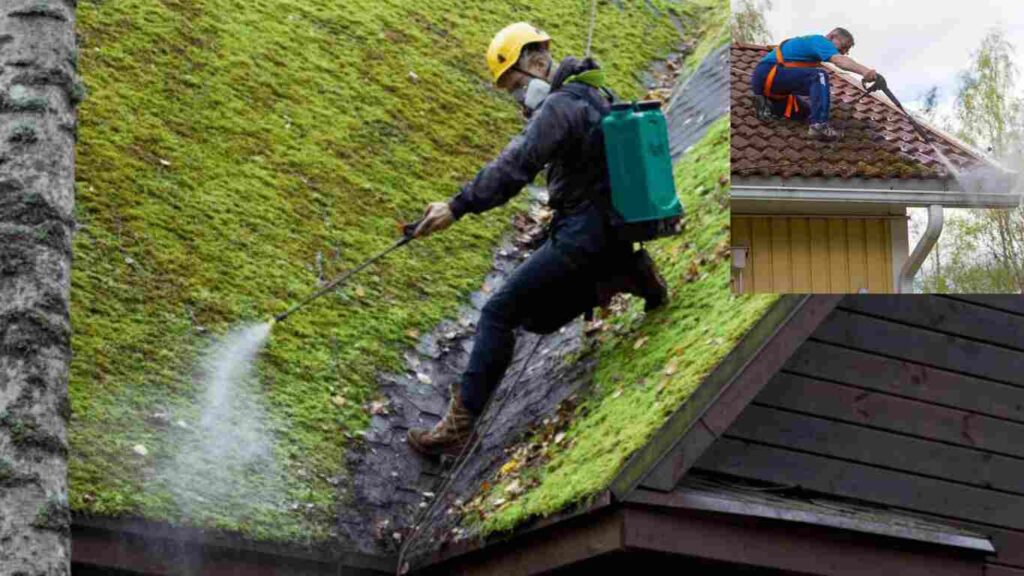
[880,85]
[407,236]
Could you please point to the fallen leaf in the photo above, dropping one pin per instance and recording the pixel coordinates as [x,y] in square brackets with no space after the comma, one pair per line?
[672,366]
[379,407]
[338,401]
[360,292]
[423,378]
[617,393]
[140,450]
[692,273]
[514,488]
[509,467]
[640,343]
[412,333]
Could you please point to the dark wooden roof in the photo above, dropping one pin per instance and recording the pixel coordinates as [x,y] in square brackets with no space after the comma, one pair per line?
[912,403]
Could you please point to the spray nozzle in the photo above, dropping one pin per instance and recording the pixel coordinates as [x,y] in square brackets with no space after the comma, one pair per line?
[877,84]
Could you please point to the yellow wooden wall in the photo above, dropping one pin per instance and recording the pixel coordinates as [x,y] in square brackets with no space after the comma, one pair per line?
[814,255]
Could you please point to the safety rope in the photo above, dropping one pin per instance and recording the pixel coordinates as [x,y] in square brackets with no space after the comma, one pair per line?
[593,21]
[467,451]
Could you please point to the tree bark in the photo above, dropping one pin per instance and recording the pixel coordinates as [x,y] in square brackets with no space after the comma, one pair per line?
[39,92]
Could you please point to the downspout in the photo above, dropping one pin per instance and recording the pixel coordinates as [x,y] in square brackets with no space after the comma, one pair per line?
[921,251]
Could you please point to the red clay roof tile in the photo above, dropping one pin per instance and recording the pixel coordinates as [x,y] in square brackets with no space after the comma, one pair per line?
[879,142]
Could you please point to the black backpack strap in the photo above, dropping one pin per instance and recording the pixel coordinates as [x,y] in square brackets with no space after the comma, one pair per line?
[602,101]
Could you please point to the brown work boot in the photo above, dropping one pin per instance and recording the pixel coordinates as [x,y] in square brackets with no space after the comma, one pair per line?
[639,278]
[451,434]
[648,284]
[763,109]
[823,131]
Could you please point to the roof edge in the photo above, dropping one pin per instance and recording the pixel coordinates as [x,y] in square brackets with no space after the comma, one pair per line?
[723,393]
[597,502]
[700,500]
[766,192]
[150,547]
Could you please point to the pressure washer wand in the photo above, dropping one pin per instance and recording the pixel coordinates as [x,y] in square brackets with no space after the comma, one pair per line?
[880,84]
[407,236]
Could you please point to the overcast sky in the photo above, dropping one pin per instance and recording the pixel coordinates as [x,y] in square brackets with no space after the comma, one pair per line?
[915,44]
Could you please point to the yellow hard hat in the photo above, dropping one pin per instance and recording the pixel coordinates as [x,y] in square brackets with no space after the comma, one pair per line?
[508,44]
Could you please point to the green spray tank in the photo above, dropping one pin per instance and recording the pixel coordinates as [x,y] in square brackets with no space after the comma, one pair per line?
[643,188]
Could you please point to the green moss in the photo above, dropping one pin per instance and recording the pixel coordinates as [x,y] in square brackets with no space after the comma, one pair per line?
[709,20]
[231,152]
[648,365]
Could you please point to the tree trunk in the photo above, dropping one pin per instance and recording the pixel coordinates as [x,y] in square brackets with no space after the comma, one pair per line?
[39,91]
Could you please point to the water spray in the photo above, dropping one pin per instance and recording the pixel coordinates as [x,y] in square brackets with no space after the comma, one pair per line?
[880,85]
[408,231]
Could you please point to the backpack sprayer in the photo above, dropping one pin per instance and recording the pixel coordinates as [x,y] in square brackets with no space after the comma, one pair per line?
[407,236]
[640,170]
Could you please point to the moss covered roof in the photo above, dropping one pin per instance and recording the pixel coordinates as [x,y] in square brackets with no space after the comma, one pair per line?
[233,154]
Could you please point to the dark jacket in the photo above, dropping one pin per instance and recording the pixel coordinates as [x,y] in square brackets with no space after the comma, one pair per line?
[564,132]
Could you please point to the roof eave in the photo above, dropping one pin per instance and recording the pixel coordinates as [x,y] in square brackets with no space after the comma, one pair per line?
[453,550]
[701,500]
[908,192]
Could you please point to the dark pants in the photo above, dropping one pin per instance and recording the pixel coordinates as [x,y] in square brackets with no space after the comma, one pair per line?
[552,287]
[805,83]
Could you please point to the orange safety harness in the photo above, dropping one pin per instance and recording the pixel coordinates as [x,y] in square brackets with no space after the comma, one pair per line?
[791,101]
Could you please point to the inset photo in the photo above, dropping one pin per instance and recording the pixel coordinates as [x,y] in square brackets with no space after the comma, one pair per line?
[877,149]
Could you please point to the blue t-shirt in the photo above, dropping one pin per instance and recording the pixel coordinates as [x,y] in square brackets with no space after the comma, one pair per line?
[811,48]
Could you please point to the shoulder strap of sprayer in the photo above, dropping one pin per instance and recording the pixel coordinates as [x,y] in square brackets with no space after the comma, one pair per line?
[595,78]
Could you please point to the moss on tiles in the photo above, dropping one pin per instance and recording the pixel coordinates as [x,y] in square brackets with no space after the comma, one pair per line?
[648,365]
[232,154]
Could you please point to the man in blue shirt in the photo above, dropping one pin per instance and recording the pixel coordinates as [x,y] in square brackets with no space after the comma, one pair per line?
[780,86]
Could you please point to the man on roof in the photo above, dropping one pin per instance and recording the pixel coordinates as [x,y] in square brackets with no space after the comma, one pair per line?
[582,262]
[791,74]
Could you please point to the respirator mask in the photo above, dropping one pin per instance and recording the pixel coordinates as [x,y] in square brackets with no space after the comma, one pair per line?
[532,95]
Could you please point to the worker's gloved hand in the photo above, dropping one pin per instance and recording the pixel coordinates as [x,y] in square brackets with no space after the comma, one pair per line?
[437,216]
[871,76]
